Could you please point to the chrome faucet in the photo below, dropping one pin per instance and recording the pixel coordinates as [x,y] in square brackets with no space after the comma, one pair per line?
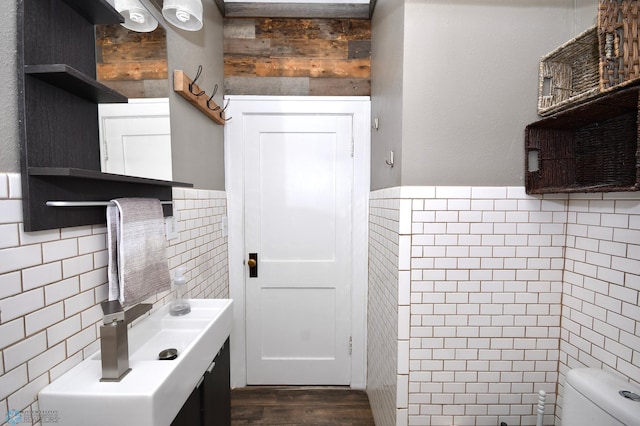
[114,342]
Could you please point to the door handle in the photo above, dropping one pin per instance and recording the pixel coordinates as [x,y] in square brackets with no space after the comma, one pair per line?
[252,263]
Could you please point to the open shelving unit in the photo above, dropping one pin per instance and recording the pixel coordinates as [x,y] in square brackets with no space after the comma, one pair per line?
[59,135]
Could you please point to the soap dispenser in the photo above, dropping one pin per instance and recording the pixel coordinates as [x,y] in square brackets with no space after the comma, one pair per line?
[180,306]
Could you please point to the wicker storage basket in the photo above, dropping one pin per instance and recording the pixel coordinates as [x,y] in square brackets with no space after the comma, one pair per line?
[591,147]
[618,27]
[569,74]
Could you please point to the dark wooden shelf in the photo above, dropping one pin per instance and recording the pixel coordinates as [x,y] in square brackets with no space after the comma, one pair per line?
[96,11]
[76,185]
[73,81]
[59,133]
[70,172]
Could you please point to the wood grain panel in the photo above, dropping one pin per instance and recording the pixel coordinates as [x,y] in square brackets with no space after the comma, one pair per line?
[125,56]
[247,47]
[239,66]
[50,29]
[311,67]
[118,44]
[133,89]
[339,87]
[283,67]
[309,48]
[273,86]
[133,70]
[239,28]
[356,68]
[326,29]
[151,50]
[359,49]
[261,51]
[141,88]
[300,406]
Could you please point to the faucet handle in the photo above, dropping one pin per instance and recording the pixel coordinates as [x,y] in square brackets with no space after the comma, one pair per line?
[112,310]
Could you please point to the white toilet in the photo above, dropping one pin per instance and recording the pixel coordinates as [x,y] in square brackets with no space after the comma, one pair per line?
[592,397]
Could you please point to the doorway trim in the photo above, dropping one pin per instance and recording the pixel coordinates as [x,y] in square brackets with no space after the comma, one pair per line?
[359,107]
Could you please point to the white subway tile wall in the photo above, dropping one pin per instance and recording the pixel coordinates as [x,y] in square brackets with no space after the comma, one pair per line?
[601,310]
[201,245]
[383,352]
[486,282]
[51,284]
[494,312]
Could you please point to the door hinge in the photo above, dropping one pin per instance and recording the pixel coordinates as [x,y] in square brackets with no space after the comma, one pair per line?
[353,146]
[350,345]
[105,150]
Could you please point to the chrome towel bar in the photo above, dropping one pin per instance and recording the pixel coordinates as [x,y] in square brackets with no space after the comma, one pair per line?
[86,203]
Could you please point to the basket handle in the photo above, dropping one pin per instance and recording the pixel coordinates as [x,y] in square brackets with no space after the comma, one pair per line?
[610,45]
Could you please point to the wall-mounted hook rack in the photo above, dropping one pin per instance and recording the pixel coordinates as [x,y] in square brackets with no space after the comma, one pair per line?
[181,84]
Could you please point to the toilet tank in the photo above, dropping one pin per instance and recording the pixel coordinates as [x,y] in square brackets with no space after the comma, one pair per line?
[592,397]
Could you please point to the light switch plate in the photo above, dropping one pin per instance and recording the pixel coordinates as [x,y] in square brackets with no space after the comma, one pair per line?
[171,227]
[225,226]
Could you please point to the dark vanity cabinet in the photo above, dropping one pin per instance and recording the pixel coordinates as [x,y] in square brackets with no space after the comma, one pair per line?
[190,414]
[216,391]
[210,402]
[58,113]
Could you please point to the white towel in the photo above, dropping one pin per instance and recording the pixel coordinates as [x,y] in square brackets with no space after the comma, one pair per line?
[138,265]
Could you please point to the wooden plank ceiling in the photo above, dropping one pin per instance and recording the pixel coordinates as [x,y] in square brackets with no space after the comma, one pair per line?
[305,9]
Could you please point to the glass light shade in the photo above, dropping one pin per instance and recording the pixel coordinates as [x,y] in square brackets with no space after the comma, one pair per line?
[136,16]
[184,14]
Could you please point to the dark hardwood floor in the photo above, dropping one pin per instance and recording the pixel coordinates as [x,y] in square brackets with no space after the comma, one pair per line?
[308,406]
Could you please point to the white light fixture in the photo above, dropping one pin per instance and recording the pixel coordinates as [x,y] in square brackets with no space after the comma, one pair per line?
[136,16]
[184,14]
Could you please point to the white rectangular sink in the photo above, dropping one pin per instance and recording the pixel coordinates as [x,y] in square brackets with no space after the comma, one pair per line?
[155,390]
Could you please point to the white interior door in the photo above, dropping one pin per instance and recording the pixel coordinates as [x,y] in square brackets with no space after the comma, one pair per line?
[135,138]
[297,216]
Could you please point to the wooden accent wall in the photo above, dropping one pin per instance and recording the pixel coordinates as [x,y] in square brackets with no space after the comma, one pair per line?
[303,57]
[135,64]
